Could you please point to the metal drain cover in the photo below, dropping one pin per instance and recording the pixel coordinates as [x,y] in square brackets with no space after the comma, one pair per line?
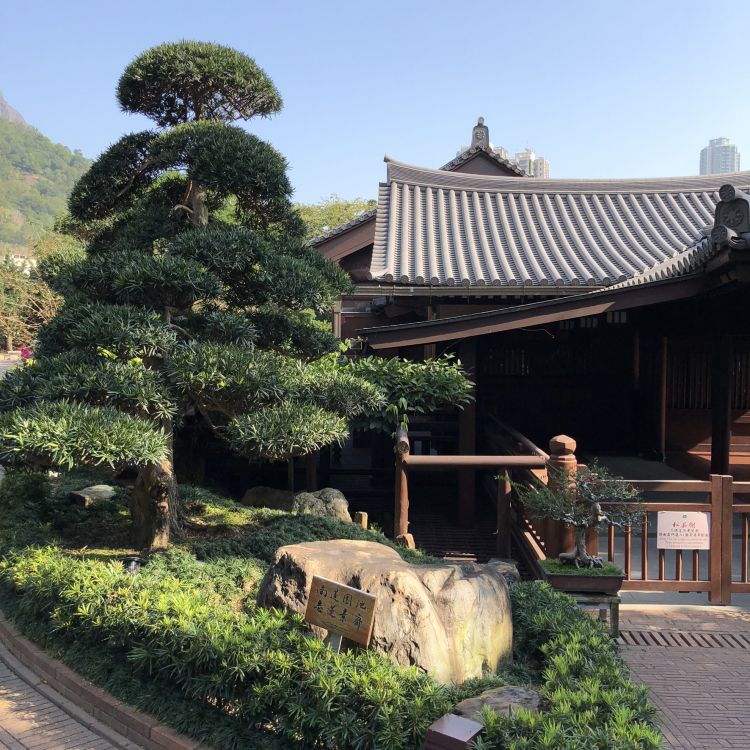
[684,639]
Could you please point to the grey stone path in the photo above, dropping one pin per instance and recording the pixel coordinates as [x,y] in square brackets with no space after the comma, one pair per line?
[701,690]
[30,720]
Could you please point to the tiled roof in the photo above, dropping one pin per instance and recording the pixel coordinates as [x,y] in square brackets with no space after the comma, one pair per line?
[446,228]
[472,151]
[358,219]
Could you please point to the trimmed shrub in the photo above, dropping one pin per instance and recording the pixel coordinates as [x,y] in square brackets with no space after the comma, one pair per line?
[592,705]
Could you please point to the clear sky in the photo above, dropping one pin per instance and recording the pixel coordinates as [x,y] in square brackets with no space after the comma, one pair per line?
[601,88]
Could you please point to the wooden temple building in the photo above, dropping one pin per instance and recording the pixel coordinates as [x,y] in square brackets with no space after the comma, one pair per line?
[616,311]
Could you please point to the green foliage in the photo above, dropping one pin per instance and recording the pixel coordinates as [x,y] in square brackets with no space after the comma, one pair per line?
[330,213]
[187,629]
[26,302]
[36,177]
[124,385]
[296,332]
[56,255]
[126,331]
[576,499]
[285,430]
[410,388]
[67,433]
[557,568]
[162,281]
[592,703]
[184,640]
[182,81]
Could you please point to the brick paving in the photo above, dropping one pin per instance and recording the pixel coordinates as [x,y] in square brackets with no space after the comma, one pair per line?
[34,717]
[702,692]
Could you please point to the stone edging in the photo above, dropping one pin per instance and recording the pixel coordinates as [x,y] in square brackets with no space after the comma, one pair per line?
[93,707]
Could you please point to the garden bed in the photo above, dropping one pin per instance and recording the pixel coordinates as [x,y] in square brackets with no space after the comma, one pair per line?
[184,641]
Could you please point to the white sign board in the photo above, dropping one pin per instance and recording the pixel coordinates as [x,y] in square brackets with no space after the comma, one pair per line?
[678,530]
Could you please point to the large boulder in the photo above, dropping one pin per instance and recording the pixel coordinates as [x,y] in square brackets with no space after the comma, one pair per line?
[452,620]
[328,503]
[502,700]
[268,497]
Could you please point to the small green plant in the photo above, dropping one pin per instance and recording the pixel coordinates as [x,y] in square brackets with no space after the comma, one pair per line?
[591,703]
[576,498]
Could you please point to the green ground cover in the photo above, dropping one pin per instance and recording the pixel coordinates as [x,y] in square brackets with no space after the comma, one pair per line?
[557,568]
[184,641]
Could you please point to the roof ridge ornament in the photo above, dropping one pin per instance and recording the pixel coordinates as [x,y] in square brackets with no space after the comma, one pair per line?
[732,219]
[480,136]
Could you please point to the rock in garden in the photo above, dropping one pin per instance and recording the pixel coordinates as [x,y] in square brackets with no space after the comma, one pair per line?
[2,474]
[500,700]
[89,496]
[268,497]
[451,620]
[328,503]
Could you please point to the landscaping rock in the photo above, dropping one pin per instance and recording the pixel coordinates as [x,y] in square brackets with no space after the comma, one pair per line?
[89,496]
[268,497]
[501,700]
[2,474]
[452,620]
[328,503]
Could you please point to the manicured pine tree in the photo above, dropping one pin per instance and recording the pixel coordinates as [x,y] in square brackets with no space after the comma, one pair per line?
[197,294]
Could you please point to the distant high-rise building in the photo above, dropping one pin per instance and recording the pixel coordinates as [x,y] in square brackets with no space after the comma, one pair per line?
[721,155]
[533,165]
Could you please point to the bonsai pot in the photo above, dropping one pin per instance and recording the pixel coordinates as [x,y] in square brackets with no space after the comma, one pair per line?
[583,583]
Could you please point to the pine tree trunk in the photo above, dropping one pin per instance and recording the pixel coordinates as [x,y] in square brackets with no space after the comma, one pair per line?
[154,505]
[198,201]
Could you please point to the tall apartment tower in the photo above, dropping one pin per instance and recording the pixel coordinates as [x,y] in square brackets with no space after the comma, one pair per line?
[533,165]
[721,155]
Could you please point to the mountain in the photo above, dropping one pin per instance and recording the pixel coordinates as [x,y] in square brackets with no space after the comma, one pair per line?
[36,177]
[8,113]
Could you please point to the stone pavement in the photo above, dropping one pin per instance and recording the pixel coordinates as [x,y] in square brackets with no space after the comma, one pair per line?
[32,720]
[701,687]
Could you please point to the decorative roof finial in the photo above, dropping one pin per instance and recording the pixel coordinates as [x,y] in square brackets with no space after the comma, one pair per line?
[480,135]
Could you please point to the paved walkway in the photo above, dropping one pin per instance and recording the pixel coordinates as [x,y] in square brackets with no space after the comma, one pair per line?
[701,689]
[34,720]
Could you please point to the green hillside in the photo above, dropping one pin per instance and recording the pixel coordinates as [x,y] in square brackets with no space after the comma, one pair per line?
[36,177]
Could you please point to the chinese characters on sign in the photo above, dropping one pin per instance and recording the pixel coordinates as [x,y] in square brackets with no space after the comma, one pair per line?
[341,610]
[676,530]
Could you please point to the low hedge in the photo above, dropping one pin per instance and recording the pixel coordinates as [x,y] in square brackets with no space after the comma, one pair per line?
[591,702]
[237,676]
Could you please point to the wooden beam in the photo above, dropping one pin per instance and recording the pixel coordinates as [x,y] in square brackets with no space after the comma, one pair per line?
[663,366]
[534,314]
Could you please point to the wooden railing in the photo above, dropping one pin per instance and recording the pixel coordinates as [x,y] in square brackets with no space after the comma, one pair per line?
[405,462]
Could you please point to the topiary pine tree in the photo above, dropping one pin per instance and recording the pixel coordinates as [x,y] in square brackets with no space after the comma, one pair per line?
[197,294]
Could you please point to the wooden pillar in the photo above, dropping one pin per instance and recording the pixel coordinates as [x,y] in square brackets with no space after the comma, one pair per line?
[663,364]
[467,440]
[560,537]
[401,499]
[504,489]
[721,403]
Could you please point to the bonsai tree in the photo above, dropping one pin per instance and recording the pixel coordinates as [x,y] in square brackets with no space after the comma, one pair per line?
[576,498]
[197,294]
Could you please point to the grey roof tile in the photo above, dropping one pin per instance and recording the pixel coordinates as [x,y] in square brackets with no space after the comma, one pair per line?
[448,228]
[358,219]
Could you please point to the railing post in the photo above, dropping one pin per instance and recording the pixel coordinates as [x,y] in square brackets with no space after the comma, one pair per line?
[401,506]
[727,523]
[504,489]
[715,561]
[561,464]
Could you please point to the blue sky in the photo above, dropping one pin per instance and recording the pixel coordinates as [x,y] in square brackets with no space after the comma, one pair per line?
[602,89]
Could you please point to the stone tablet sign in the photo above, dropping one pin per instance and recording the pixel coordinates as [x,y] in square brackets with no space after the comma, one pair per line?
[341,610]
[677,530]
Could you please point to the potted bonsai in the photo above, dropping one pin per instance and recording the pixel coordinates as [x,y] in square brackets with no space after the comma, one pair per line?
[576,499]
